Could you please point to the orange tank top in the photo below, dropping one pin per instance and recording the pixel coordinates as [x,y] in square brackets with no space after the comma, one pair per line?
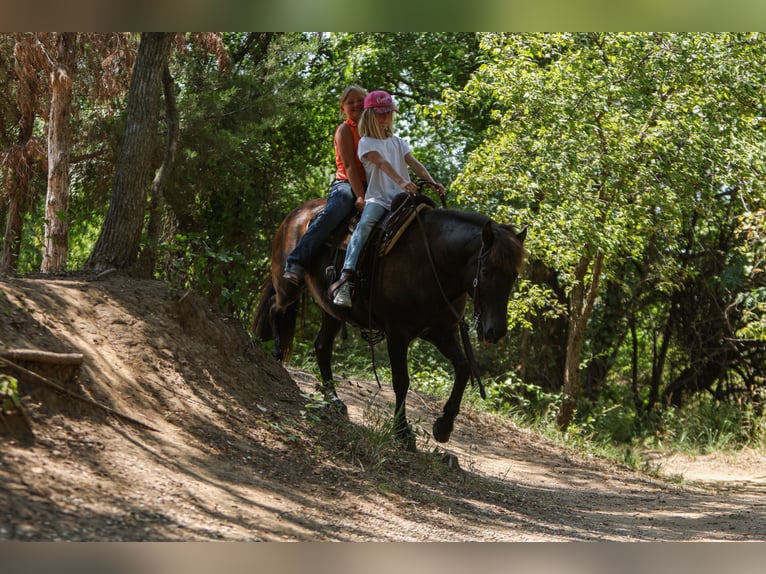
[340,173]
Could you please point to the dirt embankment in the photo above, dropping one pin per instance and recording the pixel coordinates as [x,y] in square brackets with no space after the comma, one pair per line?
[198,435]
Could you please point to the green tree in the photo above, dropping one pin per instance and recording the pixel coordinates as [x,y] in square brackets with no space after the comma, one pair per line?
[606,144]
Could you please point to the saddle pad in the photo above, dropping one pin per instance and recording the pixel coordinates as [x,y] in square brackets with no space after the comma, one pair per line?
[396,226]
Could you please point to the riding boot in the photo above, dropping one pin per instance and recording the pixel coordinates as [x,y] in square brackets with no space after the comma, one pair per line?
[343,295]
[340,291]
[294,274]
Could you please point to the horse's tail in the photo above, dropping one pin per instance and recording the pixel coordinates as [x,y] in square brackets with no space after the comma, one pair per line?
[268,317]
[262,323]
[287,321]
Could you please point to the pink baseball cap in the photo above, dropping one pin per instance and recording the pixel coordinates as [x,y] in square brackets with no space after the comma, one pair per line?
[380,101]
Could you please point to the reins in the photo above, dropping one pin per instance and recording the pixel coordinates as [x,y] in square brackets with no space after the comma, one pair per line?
[473,369]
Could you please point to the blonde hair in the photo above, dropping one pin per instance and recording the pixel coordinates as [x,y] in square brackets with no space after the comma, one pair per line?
[346,94]
[368,126]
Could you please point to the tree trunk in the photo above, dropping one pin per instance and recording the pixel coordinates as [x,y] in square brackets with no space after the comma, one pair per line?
[13,226]
[57,199]
[148,256]
[579,313]
[119,241]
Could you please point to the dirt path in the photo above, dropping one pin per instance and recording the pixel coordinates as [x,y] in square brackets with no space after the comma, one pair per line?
[236,454]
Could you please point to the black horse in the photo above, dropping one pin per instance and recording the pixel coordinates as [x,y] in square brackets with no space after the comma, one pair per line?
[418,289]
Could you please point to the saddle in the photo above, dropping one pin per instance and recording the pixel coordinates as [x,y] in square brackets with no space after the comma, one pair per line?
[393,225]
[390,228]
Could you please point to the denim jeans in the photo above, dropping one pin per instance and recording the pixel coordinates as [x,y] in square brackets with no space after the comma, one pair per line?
[340,204]
[373,212]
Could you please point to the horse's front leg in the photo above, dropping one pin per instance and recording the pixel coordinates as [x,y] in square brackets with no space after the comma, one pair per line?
[400,379]
[323,346]
[449,346]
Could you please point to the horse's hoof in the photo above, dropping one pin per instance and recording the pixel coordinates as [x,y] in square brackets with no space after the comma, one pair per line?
[450,460]
[442,429]
[407,438]
[333,401]
[339,406]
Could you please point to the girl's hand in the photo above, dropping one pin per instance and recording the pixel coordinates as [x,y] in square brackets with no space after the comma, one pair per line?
[409,187]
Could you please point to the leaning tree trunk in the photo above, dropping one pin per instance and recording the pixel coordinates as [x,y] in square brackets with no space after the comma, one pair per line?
[580,311]
[148,256]
[57,199]
[119,241]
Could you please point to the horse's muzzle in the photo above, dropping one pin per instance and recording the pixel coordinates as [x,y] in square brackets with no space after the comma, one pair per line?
[491,334]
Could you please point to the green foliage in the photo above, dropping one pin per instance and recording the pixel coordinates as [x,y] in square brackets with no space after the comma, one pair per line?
[526,404]
[313,407]
[750,301]
[533,299]
[226,277]
[705,425]
[643,149]
[9,393]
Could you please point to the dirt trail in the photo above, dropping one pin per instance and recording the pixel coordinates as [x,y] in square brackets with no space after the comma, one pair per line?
[236,454]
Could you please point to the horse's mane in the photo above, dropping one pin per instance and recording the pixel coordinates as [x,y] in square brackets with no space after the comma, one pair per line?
[507,252]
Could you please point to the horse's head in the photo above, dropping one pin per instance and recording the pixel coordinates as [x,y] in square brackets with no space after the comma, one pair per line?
[498,267]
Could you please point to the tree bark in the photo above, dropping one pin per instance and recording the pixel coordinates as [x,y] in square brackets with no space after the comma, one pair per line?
[13,226]
[59,136]
[119,241]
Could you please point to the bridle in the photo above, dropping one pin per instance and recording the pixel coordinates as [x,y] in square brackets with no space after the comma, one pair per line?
[476,301]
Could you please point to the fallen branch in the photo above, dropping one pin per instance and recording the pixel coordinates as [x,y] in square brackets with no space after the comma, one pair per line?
[41,356]
[49,383]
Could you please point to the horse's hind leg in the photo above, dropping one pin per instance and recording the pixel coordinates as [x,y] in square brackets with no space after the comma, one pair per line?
[323,347]
[449,346]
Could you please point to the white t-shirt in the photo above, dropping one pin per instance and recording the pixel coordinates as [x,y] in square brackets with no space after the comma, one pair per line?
[381,189]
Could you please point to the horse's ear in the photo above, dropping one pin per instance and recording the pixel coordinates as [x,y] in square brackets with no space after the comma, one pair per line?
[488,235]
[522,235]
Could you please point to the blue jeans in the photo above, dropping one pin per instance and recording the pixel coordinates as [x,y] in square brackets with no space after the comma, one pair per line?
[371,214]
[340,204]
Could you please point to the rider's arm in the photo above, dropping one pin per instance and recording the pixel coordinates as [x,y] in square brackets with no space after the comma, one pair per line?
[344,142]
[403,182]
[421,171]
